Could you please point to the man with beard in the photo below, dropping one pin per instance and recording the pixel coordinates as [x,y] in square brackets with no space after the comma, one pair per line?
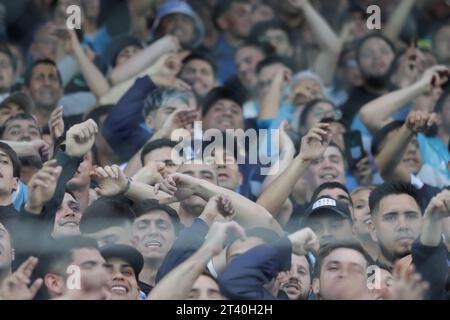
[374,55]
[296,283]
[399,228]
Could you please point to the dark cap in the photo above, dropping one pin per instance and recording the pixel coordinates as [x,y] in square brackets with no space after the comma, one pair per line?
[327,205]
[221,93]
[22,99]
[117,44]
[127,253]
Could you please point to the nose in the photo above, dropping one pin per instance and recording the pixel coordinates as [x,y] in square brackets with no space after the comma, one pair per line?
[402,224]
[117,275]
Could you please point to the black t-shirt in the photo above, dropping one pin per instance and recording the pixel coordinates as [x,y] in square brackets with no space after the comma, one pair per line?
[145,288]
[358,97]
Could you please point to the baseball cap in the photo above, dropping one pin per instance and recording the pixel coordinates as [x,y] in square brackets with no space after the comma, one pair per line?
[21,99]
[127,253]
[327,205]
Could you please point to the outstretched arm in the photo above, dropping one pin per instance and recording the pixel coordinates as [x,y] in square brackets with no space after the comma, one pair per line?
[398,19]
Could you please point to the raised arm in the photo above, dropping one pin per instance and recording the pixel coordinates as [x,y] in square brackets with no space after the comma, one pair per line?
[144,59]
[398,19]
[177,284]
[270,104]
[377,113]
[313,146]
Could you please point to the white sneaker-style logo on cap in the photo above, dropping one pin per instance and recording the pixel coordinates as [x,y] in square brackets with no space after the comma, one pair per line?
[324,202]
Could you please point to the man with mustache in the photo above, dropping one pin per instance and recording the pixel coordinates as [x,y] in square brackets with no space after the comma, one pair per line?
[296,282]
[399,228]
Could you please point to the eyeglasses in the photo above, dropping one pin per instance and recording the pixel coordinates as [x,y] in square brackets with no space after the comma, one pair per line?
[334,114]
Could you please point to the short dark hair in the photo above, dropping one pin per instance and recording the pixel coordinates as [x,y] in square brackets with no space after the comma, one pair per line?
[13,157]
[328,248]
[379,137]
[262,27]
[392,188]
[220,9]
[274,59]
[19,116]
[197,55]
[147,206]
[265,49]
[105,213]
[221,93]
[29,71]
[156,144]
[330,185]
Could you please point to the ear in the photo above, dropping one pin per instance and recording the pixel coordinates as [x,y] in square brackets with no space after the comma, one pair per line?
[15,184]
[316,287]
[222,22]
[54,284]
[372,230]
[149,121]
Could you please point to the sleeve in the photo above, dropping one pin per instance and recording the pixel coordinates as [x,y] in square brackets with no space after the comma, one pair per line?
[431,263]
[186,244]
[121,128]
[244,278]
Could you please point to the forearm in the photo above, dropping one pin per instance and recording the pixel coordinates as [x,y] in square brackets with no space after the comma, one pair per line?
[391,154]
[377,112]
[327,38]
[68,67]
[325,66]
[133,165]
[248,213]
[141,191]
[22,148]
[398,19]
[94,78]
[274,196]
[178,283]
[139,62]
[271,102]
[432,230]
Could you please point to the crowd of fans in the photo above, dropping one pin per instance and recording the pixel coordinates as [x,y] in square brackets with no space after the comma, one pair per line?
[97,201]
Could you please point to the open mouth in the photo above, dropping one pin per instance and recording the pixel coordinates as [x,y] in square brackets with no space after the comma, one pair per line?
[328,176]
[153,244]
[292,288]
[119,290]
[70,223]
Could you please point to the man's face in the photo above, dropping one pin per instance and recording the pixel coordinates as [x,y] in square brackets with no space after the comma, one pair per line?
[342,276]
[200,75]
[6,73]
[81,178]
[224,114]
[7,111]
[412,158]
[94,276]
[21,130]
[8,183]
[126,54]
[350,71]
[239,247]
[361,213]
[247,58]
[180,26]
[278,39]
[442,45]
[91,8]
[227,169]
[153,234]
[297,282]
[238,20]
[205,288]
[6,251]
[375,58]
[328,168]
[165,111]
[337,194]
[330,227]
[45,89]
[320,111]
[67,218]
[396,224]
[162,156]
[122,282]
[203,171]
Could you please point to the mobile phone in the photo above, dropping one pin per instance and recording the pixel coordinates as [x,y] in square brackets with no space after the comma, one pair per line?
[354,150]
